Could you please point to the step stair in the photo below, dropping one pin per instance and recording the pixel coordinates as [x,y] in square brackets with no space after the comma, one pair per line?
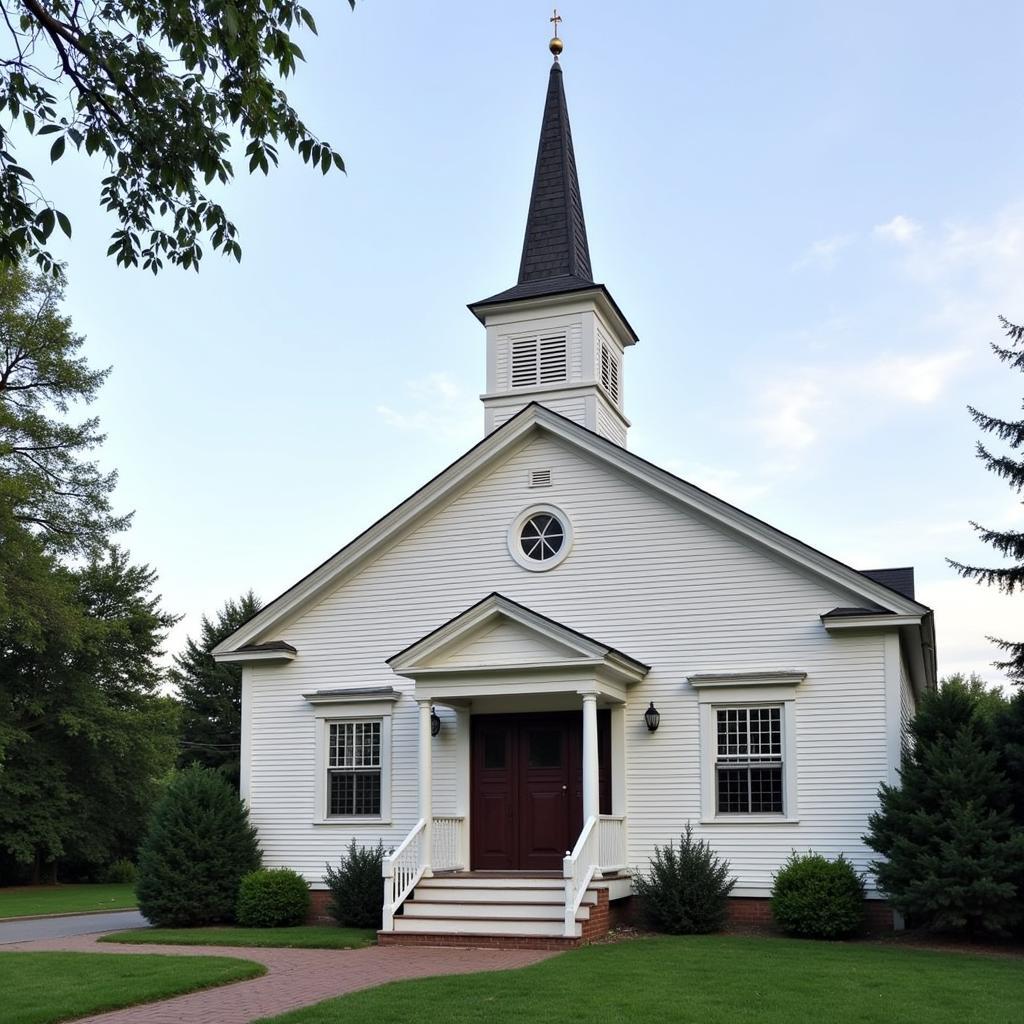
[467,908]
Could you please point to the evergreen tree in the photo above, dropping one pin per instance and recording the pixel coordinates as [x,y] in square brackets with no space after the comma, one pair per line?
[211,693]
[1009,543]
[954,857]
[199,846]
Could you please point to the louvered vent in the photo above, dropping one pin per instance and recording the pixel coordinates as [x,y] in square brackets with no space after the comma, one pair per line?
[539,360]
[610,372]
[540,477]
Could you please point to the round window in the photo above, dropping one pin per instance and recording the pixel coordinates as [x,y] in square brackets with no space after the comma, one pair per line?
[540,537]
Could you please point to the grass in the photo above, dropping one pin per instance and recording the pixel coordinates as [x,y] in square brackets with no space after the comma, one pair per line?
[710,979]
[301,937]
[29,900]
[39,988]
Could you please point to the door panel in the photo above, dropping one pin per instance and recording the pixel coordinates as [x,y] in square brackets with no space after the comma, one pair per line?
[527,788]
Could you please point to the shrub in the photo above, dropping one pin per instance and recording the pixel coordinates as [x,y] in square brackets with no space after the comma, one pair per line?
[272,898]
[357,887]
[199,846]
[121,872]
[818,898]
[687,890]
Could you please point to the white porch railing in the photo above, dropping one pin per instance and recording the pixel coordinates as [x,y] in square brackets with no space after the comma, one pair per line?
[408,864]
[601,847]
[447,843]
[611,842]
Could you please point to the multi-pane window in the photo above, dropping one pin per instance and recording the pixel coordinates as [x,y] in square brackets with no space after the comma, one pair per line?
[542,359]
[748,768]
[353,768]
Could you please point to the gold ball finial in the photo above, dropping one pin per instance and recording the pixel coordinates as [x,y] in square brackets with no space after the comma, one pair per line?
[555,46]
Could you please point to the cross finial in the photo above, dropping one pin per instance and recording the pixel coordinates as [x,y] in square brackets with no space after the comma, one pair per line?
[555,46]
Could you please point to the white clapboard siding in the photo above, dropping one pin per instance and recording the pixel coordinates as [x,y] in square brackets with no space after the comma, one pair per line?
[662,585]
[908,705]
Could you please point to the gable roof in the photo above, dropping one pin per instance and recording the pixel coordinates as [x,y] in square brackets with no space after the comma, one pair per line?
[517,430]
[420,654]
[900,580]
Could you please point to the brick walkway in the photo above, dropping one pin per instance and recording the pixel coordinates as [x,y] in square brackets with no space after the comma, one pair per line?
[294,978]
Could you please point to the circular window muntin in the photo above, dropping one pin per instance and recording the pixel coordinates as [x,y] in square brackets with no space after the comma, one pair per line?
[542,529]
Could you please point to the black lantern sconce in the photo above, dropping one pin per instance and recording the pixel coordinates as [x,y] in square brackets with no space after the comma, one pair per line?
[652,718]
[435,722]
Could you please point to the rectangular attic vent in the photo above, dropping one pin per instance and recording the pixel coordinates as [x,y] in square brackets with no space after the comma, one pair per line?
[540,477]
[539,360]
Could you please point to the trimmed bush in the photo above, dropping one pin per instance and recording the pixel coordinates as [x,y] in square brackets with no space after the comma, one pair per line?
[357,887]
[199,846]
[687,890]
[272,898]
[818,898]
[121,872]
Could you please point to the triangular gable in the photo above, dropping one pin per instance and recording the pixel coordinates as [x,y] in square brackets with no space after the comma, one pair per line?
[498,445]
[498,634]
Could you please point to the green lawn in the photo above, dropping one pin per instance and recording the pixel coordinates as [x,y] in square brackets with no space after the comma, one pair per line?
[301,937]
[710,979]
[39,988]
[26,900]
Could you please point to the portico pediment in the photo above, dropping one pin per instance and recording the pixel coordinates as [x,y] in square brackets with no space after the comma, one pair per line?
[498,636]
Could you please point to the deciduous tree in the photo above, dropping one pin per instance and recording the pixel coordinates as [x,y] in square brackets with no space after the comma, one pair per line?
[160,91]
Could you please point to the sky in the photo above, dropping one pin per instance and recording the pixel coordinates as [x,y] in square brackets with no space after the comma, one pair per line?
[811,213]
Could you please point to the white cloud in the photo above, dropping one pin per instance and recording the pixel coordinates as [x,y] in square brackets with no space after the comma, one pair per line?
[824,252]
[900,229]
[965,614]
[436,405]
[799,406]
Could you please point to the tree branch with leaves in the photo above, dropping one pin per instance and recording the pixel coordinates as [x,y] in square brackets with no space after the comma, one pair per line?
[161,91]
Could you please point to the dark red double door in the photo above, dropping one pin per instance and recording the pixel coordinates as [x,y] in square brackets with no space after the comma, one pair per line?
[527,788]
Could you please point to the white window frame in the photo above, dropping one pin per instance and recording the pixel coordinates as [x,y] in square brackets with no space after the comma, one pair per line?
[327,713]
[515,547]
[746,690]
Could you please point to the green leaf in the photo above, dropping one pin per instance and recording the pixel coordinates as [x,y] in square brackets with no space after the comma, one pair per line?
[57,150]
[46,220]
[65,224]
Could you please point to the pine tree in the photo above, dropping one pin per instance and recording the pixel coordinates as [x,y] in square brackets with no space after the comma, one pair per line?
[211,693]
[954,857]
[1009,543]
[199,846]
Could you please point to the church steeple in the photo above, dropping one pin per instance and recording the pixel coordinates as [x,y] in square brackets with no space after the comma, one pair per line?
[556,337]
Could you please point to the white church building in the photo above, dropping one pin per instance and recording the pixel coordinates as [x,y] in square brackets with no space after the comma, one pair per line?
[554,655]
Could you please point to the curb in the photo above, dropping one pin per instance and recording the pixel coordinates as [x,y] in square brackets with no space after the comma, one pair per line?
[67,913]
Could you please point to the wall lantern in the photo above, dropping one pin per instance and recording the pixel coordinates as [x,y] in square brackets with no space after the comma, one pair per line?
[435,722]
[652,718]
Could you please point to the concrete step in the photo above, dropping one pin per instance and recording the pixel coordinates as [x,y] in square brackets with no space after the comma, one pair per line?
[529,926]
[456,891]
[493,911]
[497,881]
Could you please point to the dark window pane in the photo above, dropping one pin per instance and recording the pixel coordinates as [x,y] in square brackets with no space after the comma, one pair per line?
[542,537]
[494,749]
[354,793]
[545,748]
[733,793]
[766,790]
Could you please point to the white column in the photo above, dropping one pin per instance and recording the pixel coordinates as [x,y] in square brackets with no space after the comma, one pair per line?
[426,785]
[591,800]
[462,773]
[618,716]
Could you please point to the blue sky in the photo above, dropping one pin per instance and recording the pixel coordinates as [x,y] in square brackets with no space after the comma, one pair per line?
[811,214]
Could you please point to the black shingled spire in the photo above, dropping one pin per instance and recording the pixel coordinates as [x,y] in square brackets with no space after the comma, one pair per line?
[555,244]
[555,257]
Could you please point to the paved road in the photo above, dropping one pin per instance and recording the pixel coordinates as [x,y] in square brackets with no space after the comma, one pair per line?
[61,927]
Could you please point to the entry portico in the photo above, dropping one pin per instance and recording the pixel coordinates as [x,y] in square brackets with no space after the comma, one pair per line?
[500,659]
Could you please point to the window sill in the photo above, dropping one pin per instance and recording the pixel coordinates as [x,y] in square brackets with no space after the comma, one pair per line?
[361,820]
[750,819]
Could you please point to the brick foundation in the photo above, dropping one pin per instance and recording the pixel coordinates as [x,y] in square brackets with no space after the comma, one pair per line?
[746,912]
[318,900]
